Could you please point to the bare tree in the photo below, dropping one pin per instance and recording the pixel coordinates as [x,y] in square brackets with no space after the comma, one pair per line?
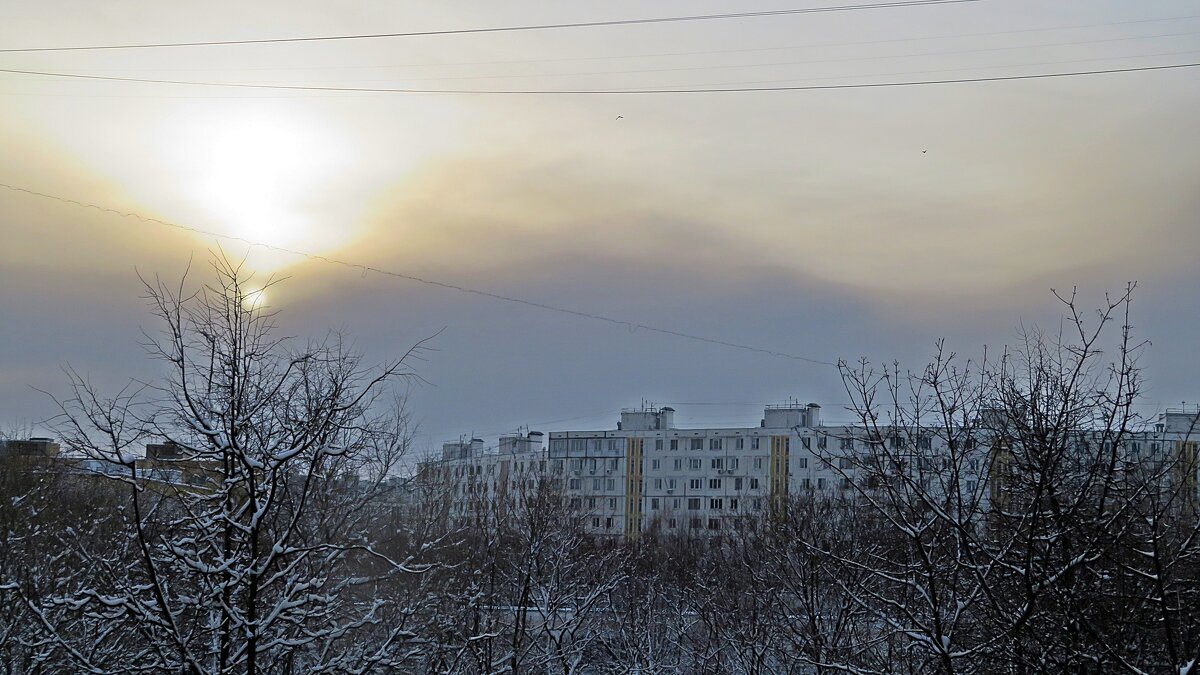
[1008,528]
[245,545]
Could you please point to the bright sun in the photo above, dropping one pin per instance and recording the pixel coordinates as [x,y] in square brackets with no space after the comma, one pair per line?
[254,299]
[261,177]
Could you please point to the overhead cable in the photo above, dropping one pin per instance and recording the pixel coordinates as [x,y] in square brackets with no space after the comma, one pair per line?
[584,92]
[499,29]
[632,326]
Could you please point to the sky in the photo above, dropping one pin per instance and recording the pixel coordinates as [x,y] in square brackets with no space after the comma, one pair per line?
[823,224]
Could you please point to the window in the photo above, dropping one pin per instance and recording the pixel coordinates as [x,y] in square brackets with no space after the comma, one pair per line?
[845,463]
[577,465]
[612,504]
[596,522]
[591,503]
[820,483]
[802,462]
[694,523]
[658,444]
[670,483]
[695,464]
[693,503]
[845,483]
[573,484]
[758,461]
[714,483]
[678,464]
[754,443]
[557,466]
[806,442]
[731,463]
[737,484]
[970,485]
[654,465]
[758,504]
[591,465]
[714,523]
[654,504]
[577,445]
[753,483]
[739,443]
[807,483]
[657,483]
[714,444]
[675,503]
[608,523]
[695,483]
[674,443]
[610,485]
[822,441]
[924,443]
[897,442]
[717,463]
[595,485]
[716,504]
[576,502]
[672,523]
[697,444]
[612,464]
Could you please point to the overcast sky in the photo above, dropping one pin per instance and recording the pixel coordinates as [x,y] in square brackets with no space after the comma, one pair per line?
[825,224]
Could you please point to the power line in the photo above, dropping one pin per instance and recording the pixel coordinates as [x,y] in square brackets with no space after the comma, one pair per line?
[696,90]
[908,73]
[707,52]
[630,325]
[743,85]
[502,29]
[772,64]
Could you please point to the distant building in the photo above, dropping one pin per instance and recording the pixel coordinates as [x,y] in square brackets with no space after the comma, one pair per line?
[34,447]
[648,474]
[477,480]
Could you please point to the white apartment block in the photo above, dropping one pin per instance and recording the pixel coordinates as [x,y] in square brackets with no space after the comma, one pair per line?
[646,473]
[478,480]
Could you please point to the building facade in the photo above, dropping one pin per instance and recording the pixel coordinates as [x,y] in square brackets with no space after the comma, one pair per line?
[647,474]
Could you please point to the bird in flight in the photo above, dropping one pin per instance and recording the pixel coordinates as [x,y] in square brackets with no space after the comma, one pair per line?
[924,151]
[620,117]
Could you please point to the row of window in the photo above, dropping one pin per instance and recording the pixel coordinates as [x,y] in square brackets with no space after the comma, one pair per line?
[606,523]
[895,441]
[616,446]
[598,484]
[692,463]
[520,467]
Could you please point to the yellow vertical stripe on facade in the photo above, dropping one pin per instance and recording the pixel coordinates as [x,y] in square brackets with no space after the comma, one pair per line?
[778,470]
[633,487]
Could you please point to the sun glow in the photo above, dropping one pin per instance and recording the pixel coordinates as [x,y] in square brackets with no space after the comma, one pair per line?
[263,178]
[254,299]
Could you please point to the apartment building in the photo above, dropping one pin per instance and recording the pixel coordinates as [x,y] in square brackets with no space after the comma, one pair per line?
[646,473]
[476,479]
